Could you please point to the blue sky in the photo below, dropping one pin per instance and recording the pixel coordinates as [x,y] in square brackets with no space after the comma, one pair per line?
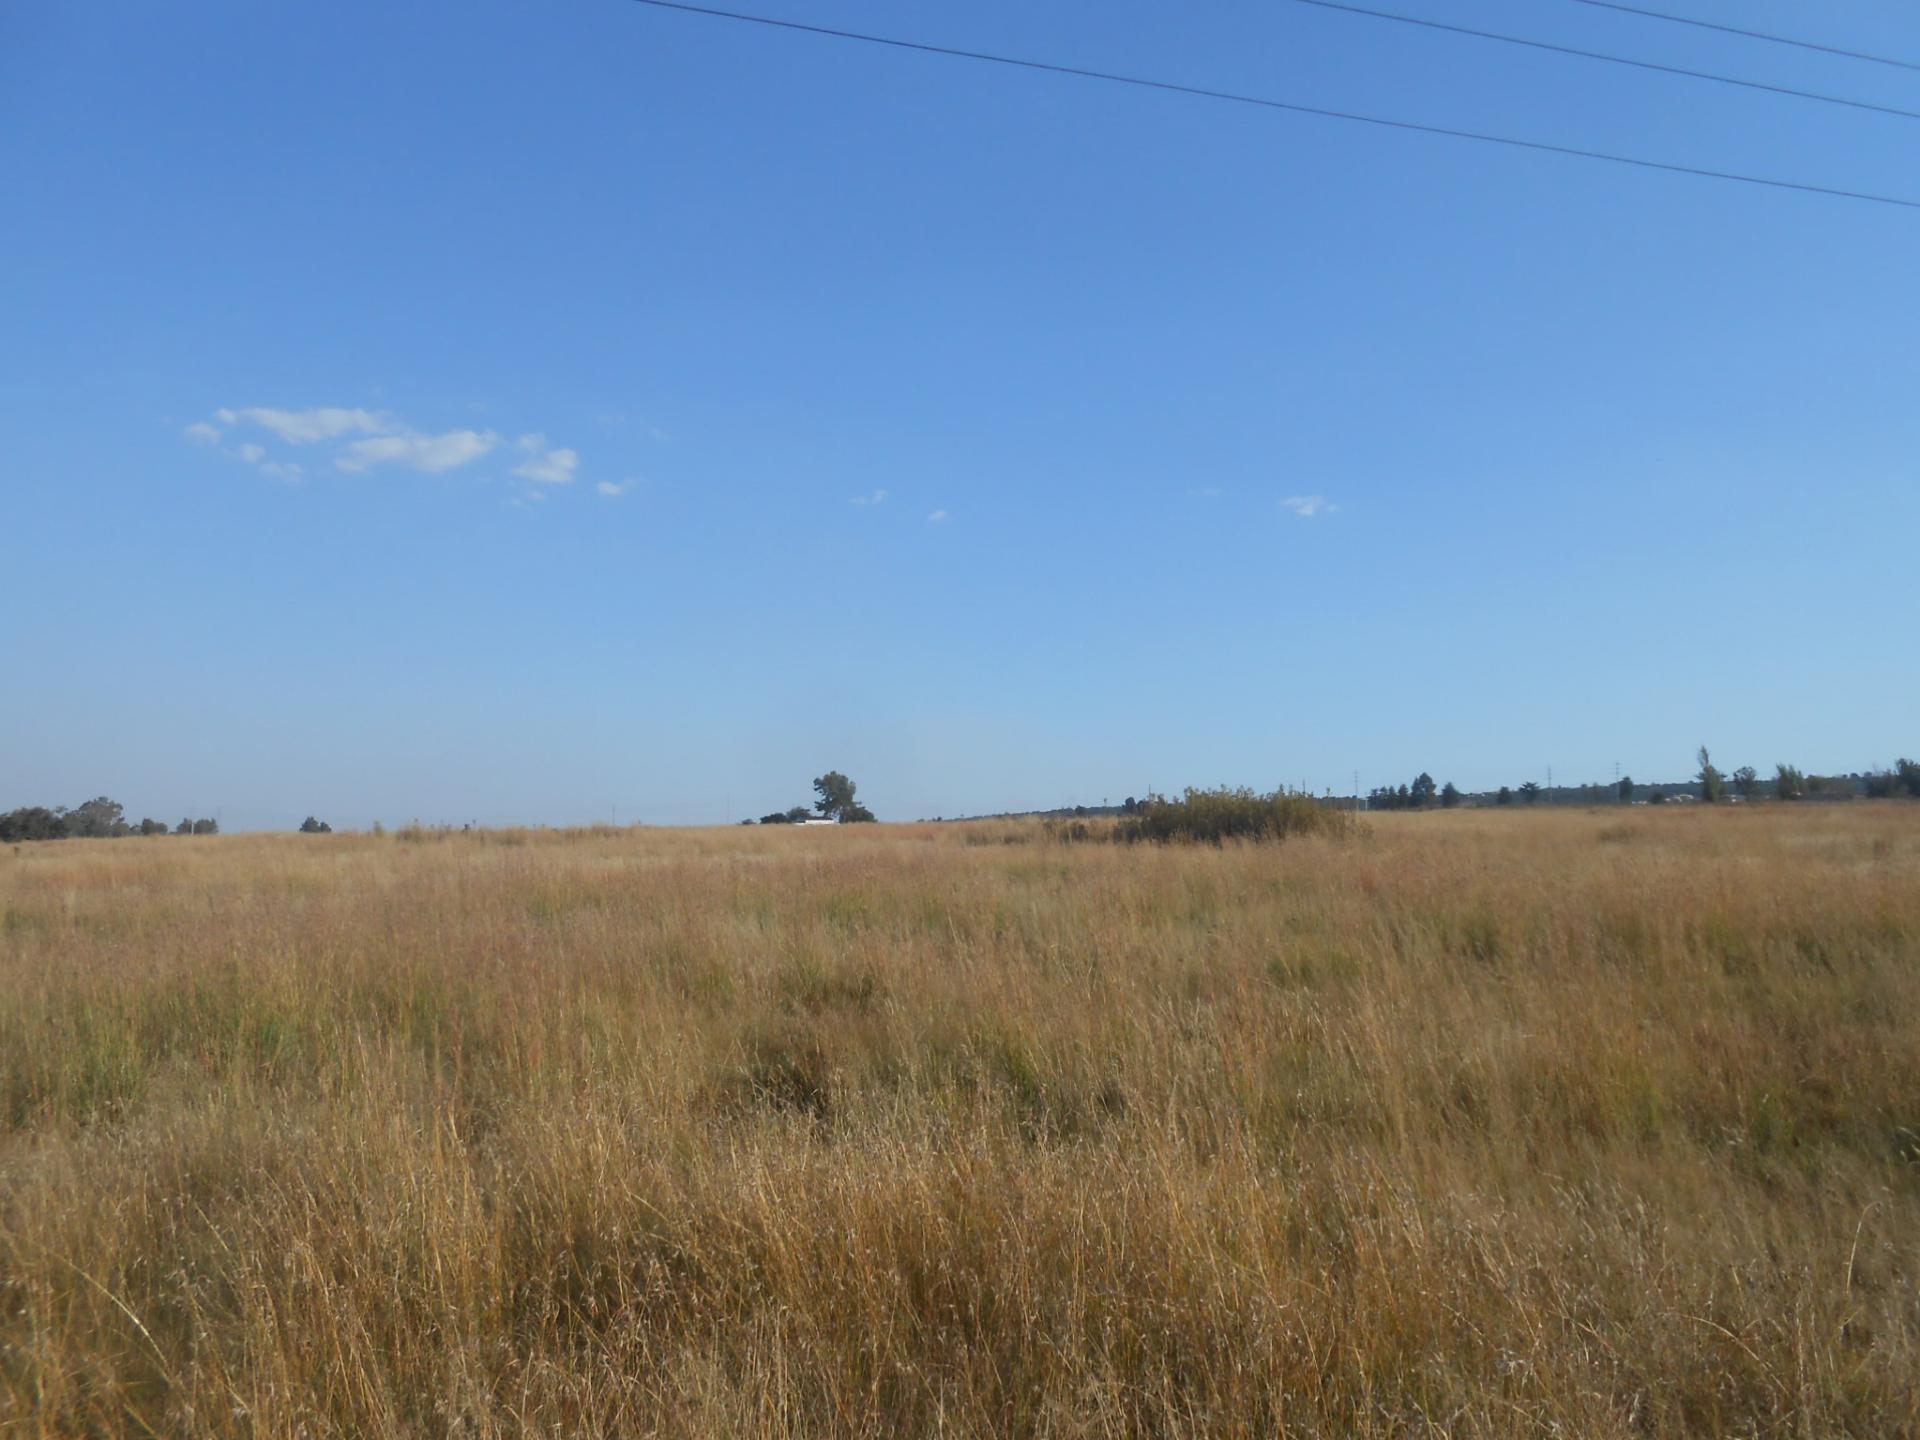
[683,408]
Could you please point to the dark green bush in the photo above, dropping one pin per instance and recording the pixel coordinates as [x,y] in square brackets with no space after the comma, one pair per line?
[1214,816]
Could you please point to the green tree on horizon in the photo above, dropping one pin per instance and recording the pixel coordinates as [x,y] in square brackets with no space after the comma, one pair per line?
[1713,785]
[836,800]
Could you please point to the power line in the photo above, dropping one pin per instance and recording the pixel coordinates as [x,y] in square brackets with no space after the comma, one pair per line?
[1750,34]
[1174,88]
[1614,59]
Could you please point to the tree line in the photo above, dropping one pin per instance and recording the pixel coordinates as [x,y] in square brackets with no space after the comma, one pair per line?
[1714,786]
[1420,793]
[1709,784]
[97,819]
[1789,782]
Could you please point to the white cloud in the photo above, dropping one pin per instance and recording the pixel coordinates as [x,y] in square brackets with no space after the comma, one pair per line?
[546,467]
[302,427]
[368,439]
[938,517]
[430,454]
[611,490]
[878,497]
[1308,506]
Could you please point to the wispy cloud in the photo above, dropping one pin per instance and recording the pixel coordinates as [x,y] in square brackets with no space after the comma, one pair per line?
[429,454]
[938,517]
[1308,506]
[304,427]
[613,491]
[365,440]
[211,436]
[544,466]
[877,497]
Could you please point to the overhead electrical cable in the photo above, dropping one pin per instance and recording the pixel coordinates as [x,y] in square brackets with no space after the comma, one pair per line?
[1751,34]
[1264,102]
[1612,59]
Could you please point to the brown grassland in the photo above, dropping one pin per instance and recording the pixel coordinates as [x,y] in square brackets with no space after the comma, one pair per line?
[1483,1124]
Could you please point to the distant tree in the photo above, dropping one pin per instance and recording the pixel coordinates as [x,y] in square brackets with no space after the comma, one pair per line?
[786,817]
[1504,796]
[1449,795]
[1882,784]
[185,827]
[1423,791]
[1626,789]
[835,791]
[1131,807]
[1909,773]
[1789,783]
[1530,791]
[311,826]
[1712,784]
[153,827]
[1658,797]
[836,800]
[97,819]
[1746,782]
[206,827]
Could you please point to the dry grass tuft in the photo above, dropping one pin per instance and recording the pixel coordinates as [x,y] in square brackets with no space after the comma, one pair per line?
[1479,1124]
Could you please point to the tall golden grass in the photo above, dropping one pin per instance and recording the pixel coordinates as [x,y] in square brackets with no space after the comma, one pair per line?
[1485,1124]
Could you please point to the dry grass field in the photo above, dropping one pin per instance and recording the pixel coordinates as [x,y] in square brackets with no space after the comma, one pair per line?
[1481,1124]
